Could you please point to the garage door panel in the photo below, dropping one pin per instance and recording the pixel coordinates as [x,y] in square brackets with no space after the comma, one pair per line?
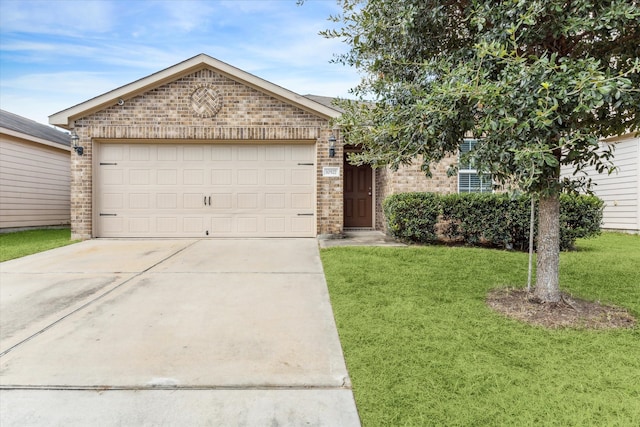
[193,224]
[166,226]
[221,153]
[247,225]
[275,154]
[193,153]
[247,154]
[166,201]
[222,201]
[193,200]
[112,225]
[167,153]
[167,177]
[301,201]
[302,225]
[275,200]
[112,200]
[302,177]
[139,153]
[139,225]
[247,177]
[162,190]
[139,177]
[302,153]
[221,225]
[275,177]
[275,225]
[247,201]
[112,177]
[139,201]
[193,177]
[112,153]
[221,176]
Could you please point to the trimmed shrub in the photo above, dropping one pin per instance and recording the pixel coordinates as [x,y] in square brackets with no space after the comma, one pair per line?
[475,218]
[412,216]
[580,217]
[496,220]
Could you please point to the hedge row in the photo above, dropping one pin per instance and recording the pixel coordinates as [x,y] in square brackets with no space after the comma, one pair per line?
[496,220]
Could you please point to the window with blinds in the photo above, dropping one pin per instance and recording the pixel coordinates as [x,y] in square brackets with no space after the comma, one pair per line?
[469,180]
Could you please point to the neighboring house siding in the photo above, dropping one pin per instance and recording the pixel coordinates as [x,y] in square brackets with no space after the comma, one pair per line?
[34,184]
[621,190]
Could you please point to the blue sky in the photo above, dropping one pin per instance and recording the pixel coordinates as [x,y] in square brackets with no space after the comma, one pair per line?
[55,54]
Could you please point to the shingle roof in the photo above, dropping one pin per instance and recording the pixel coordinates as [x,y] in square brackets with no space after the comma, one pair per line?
[327,101]
[21,124]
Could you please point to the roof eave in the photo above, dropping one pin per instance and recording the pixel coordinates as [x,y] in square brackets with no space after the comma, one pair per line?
[35,139]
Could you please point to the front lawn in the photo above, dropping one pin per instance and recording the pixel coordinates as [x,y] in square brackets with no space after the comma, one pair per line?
[422,348]
[22,243]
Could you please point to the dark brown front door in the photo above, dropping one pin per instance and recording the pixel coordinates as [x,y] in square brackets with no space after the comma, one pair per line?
[357,196]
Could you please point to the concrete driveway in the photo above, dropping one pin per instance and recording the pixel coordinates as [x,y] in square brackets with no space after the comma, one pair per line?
[171,332]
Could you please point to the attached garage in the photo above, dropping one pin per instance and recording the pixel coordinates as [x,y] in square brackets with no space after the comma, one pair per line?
[200,190]
[204,150]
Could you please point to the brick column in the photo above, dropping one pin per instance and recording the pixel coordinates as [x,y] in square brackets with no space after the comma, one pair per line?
[81,188]
[330,190]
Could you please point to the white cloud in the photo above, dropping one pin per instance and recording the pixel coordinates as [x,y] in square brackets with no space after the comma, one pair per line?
[55,54]
[61,17]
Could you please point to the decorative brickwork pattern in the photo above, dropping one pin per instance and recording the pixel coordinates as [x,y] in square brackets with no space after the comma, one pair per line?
[206,101]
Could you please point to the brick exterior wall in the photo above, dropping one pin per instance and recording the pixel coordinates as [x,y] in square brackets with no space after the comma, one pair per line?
[170,112]
[411,178]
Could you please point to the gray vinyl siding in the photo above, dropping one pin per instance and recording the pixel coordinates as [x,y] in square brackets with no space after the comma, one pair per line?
[34,184]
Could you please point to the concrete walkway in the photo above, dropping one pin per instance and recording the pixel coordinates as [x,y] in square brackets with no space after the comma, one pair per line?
[171,332]
[361,238]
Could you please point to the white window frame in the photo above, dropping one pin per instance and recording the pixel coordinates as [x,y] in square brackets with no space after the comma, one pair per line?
[485,181]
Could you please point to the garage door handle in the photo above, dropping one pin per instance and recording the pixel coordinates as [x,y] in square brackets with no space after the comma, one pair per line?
[305,214]
[205,200]
[209,200]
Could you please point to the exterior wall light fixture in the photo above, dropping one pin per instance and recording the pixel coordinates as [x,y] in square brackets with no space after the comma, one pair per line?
[332,146]
[75,139]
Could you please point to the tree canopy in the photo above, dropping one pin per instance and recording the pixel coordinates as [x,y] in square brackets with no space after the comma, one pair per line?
[538,81]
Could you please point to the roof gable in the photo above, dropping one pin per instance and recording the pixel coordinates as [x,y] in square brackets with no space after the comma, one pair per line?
[66,117]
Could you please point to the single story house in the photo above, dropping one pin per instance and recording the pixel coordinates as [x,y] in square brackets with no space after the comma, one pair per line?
[204,149]
[34,174]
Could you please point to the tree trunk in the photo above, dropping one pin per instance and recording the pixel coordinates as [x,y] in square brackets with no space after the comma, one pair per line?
[547,288]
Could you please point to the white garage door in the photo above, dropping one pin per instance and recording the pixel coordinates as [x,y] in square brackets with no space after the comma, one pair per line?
[200,190]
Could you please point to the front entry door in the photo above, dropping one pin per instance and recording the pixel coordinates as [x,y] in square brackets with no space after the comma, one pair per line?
[358,195]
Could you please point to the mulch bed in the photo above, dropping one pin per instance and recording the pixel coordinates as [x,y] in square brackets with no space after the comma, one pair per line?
[568,313]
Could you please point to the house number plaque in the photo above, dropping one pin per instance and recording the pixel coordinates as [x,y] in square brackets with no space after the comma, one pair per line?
[331,171]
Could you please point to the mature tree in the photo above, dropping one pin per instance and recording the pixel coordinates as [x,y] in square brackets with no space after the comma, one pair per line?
[536,82]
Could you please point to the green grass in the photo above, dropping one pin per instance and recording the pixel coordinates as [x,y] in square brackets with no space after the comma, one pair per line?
[423,349]
[22,243]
